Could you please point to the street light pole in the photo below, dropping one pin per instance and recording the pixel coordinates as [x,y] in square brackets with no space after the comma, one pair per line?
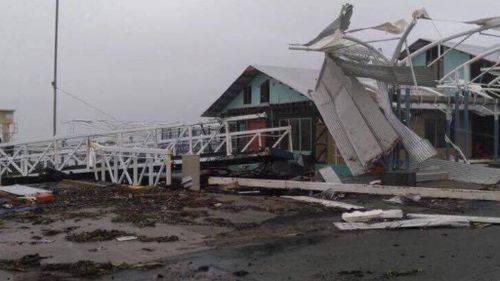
[54,82]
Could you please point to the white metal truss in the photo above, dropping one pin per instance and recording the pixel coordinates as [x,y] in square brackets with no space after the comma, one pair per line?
[208,139]
[130,165]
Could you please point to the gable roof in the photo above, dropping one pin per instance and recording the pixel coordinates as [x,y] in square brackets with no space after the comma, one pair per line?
[470,49]
[299,79]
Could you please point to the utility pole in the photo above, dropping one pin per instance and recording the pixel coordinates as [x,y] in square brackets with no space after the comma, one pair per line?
[54,82]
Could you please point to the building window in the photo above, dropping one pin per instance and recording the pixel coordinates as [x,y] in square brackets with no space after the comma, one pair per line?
[301,133]
[431,55]
[435,129]
[264,92]
[247,95]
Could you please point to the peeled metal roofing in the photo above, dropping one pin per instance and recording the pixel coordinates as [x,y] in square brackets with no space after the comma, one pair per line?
[361,132]
[460,171]
[419,149]
[301,80]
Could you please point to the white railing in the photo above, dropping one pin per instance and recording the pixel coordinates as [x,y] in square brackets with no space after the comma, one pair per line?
[71,154]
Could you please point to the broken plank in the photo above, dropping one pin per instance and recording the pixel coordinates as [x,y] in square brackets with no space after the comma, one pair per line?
[411,223]
[479,219]
[358,216]
[23,190]
[329,175]
[324,202]
[463,194]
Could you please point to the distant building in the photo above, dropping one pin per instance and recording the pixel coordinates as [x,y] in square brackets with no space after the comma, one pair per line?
[429,122]
[6,125]
[284,94]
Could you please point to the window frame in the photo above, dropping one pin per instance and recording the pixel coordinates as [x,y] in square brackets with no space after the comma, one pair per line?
[300,145]
[265,91]
[247,95]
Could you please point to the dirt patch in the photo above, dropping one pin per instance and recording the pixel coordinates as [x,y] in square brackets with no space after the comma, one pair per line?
[107,235]
[22,264]
[96,235]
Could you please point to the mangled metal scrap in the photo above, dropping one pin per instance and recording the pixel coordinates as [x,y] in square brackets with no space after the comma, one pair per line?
[361,131]
[359,128]
[401,75]
[460,171]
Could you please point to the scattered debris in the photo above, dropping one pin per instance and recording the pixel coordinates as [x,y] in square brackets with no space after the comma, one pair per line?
[126,238]
[402,199]
[358,216]
[476,219]
[424,176]
[393,274]
[326,203]
[161,239]
[22,190]
[411,223]
[95,236]
[329,175]
[328,194]
[22,264]
[460,171]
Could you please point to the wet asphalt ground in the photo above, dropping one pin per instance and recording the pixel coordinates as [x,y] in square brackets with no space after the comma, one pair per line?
[328,254]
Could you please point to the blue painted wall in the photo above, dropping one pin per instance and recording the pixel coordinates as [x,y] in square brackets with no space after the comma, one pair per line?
[279,93]
[450,61]
[453,59]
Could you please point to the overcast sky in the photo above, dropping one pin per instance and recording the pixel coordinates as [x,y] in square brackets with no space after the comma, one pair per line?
[167,60]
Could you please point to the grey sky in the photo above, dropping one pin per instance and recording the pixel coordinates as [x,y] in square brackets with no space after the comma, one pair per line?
[167,60]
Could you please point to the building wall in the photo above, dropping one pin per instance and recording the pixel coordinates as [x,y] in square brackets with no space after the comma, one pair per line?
[450,61]
[278,93]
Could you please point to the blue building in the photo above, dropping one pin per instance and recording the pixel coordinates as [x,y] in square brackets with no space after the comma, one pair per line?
[430,122]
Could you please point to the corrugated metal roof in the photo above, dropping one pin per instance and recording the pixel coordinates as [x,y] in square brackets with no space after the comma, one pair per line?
[302,80]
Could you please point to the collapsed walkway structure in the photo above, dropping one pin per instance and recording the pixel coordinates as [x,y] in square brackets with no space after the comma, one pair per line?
[131,155]
[357,80]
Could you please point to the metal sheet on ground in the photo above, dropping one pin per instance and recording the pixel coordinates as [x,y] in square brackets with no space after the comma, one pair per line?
[412,223]
[460,171]
[23,190]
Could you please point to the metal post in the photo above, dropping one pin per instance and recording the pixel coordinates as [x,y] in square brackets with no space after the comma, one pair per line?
[457,121]
[168,168]
[391,155]
[228,139]
[54,82]
[398,113]
[496,132]
[190,139]
[115,168]
[466,124]
[407,120]
[448,130]
[135,170]
[150,169]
